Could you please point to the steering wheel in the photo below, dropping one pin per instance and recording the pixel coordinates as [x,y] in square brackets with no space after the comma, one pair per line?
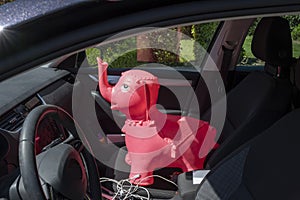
[64,169]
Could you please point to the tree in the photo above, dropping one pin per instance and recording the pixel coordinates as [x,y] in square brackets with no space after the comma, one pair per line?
[294,20]
[203,34]
[5,1]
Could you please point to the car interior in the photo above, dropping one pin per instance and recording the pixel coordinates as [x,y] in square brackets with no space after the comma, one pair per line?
[258,139]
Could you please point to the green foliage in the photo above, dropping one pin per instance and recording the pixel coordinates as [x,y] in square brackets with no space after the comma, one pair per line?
[247,47]
[296,32]
[113,50]
[123,53]
[294,20]
[163,39]
[118,54]
[296,49]
[187,30]
[165,57]
[253,27]
[5,1]
[242,55]
[186,52]
[91,55]
[203,34]
[247,58]
[126,60]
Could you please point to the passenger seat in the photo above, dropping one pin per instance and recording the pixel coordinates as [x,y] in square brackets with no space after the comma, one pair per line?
[266,167]
[261,98]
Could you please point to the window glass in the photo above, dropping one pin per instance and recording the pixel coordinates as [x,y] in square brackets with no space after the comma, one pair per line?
[295,31]
[246,56]
[172,47]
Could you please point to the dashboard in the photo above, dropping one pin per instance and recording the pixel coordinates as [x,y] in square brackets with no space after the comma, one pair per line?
[18,96]
[12,120]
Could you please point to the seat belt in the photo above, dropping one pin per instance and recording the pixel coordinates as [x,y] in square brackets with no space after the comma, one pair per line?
[228,49]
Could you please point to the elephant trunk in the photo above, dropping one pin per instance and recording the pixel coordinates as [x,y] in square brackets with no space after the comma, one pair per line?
[104,87]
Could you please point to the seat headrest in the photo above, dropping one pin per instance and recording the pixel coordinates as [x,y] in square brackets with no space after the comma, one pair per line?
[272,41]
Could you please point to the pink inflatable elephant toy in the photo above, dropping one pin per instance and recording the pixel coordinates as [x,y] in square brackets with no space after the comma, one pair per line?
[154,139]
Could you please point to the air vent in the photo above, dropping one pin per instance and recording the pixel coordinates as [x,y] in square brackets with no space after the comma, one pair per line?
[13,120]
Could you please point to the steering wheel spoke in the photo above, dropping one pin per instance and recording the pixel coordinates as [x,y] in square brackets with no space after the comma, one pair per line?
[77,144]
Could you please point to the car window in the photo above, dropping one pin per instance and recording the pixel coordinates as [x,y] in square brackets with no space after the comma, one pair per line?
[295,31]
[146,47]
[246,56]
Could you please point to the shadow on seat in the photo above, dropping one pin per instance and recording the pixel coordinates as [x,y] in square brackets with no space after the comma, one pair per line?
[263,168]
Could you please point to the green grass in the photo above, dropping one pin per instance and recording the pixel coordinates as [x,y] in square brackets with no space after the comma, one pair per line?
[248,53]
[296,49]
[248,58]
[187,50]
[247,47]
[251,58]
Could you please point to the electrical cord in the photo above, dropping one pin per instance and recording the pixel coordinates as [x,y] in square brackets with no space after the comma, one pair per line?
[157,176]
[125,190]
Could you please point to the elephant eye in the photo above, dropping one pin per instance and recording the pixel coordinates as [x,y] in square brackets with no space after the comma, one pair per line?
[125,88]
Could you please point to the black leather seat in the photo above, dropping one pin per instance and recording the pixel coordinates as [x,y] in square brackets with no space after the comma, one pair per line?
[262,97]
[266,167]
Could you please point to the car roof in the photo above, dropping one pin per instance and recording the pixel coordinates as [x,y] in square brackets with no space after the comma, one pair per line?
[19,12]
[38,31]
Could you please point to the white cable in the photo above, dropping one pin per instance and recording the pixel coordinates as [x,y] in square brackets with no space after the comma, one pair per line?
[126,190]
[158,176]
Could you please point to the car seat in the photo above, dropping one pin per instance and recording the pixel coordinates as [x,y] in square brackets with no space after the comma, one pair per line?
[261,98]
[263,168]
